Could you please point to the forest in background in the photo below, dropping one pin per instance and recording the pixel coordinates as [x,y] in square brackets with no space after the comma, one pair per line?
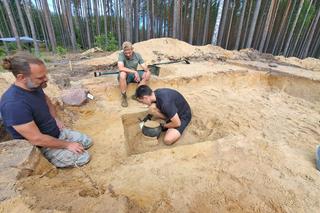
[279,27]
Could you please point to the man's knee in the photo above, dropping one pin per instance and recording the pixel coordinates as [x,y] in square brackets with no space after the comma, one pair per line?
[169,141]
[123,75]
[148,76]
[171,136]
[75,136]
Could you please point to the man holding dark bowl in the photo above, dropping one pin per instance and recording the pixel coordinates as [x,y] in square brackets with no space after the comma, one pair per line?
[169,105]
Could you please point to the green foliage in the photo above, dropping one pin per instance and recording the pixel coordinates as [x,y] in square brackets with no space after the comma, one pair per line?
[2,55]
[106,42]
[12,46]
[79,46]
[61,51]
[2,52]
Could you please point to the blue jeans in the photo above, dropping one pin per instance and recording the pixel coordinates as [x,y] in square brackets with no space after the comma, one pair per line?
[65,157]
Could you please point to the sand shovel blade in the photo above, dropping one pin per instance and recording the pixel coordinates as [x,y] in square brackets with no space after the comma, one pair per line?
[155,70]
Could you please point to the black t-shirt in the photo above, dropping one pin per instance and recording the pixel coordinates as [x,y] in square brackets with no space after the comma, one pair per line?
[170,102]
[19,106]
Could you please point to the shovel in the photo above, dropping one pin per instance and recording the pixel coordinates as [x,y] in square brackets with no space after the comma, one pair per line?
[154,69]
[171,62]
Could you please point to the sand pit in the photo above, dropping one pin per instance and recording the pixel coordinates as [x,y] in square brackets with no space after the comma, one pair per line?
[249,147]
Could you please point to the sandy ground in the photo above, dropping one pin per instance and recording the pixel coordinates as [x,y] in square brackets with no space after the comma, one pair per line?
[250,146]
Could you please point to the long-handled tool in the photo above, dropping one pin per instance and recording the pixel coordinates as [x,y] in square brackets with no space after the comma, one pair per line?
[171,62]
[154,69]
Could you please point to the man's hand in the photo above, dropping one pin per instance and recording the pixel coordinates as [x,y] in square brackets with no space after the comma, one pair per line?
[75,147]
[60,124]
[136,76]
[163,128]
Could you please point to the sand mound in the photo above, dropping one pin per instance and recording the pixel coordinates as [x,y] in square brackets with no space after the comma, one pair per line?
[307,63]
[166,49]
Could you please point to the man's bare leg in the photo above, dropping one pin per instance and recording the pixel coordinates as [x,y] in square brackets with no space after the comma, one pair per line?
[145,80]
[123,88]
[171,136]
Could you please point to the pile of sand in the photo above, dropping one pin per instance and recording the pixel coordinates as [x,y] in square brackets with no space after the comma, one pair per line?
[166,49]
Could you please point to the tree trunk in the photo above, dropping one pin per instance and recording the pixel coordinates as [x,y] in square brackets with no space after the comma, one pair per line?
[4,18]
[222,24]
[79,24]
[66,30]
[192,22]
[310,35]
[230,24]
[96,14]
[43,29]
[281,28]
[128,19]
[152,20]
[148,21]
[253,24]
[287,28]
[136,20]
[257,37]
[105,20]
[272,27]
[57,10]
[243,42]
[33,32]
[266,27]
[118,23]
[47,17]
[206,23]
[292,29]
[12,24]
[217,24]
[300,31]
[85,9]
[244,4]
[317,45]
[71,27]
[199,21]
[25,31]
[143,33]
[176,19]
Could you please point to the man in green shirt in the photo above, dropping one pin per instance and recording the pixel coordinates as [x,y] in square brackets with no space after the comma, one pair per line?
[128,61]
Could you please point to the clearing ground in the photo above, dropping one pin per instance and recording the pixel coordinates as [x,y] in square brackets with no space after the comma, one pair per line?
[250,146]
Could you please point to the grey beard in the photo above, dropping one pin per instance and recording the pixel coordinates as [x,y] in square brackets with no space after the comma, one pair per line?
[31,85]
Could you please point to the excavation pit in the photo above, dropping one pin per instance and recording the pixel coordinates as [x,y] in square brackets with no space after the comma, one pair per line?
[198,130]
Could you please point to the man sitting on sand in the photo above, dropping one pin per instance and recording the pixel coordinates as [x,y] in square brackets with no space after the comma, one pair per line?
[28,113]
[169,105]
[128,61]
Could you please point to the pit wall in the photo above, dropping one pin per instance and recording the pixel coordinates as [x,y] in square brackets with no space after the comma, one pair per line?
[301,87]
[296,86]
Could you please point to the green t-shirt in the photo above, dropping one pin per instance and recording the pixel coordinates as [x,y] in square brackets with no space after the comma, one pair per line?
[131,63]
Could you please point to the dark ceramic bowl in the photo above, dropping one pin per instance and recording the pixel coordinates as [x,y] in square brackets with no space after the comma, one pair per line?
[151,131]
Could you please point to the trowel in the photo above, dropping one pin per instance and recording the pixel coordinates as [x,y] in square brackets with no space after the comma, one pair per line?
[142,121]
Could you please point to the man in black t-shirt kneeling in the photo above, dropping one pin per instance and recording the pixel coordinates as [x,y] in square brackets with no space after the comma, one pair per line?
[169,105]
